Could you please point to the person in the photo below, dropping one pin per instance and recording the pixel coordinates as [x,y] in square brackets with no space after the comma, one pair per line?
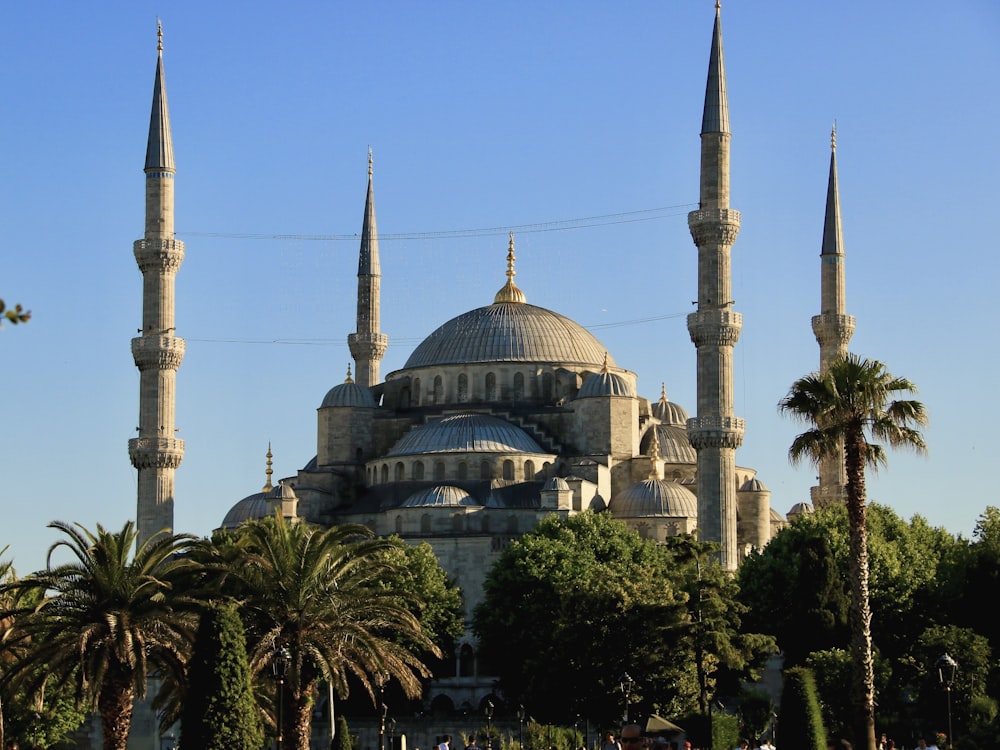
[632,738]
[921,744]
[610,743]
[743,744]
[471,744]
[937,742]
[445,743]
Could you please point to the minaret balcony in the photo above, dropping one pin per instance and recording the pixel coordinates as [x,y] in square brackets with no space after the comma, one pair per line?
[156,452]
[841,327]
[158,352]
[714,226]
[716,432]
[366,345]
[715,327]
[158,255]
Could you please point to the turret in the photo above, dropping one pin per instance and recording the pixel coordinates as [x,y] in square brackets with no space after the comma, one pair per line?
[714,328]
[156,452]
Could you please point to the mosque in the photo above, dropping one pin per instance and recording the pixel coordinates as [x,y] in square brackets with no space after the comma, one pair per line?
[504,414]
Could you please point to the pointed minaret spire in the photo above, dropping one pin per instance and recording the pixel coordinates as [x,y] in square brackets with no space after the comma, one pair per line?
[156,452]
[268,471]
[716,432]
[509,291]
[833,327]
[368,343]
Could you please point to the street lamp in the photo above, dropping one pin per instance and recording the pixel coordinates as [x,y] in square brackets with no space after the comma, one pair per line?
[489,722]
[381,727]
[627,690]
[280,660]
[520,726]
[946,667]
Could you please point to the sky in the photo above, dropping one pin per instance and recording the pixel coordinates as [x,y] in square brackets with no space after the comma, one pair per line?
[574,125]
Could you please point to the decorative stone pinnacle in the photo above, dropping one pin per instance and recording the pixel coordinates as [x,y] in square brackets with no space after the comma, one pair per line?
[268,471]
[349,379]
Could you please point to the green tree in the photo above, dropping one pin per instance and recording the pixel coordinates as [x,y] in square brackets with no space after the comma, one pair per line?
[15,315]
[580,601]
[801,721]
[322,594]
[103,622]
[342,737]
[850,402]
[219,709]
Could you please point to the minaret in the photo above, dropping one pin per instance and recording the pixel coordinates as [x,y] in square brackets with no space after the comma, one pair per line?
[833,326]
[368,344]
[715,433]
[156,452]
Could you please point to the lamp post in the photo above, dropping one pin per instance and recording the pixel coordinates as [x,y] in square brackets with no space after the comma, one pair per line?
[392,734]
[627,690]
[520,726]
[280,659]
[946,667]
[489,723]
[381,727]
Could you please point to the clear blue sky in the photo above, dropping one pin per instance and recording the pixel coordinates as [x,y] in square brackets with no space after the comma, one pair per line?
[483,118]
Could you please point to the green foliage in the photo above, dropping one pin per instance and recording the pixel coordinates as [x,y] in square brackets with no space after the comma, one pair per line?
[756,708]
[801,721]
[219,708]
[15,315]
[342,735]
[725,731]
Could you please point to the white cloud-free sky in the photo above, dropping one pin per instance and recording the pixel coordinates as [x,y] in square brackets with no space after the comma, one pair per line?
[575,125]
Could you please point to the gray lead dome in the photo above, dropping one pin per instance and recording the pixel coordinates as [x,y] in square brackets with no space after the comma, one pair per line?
[509,332]
[469,433]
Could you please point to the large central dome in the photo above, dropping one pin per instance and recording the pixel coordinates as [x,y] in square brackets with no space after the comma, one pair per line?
[510,332]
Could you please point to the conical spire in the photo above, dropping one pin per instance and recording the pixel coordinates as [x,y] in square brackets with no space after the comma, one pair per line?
[368,259]
[159,146]
[509,292]
[833,240]
[715,117]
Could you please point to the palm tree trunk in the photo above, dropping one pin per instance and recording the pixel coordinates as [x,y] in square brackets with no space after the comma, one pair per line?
[115,707]
[863,672]
[298,719]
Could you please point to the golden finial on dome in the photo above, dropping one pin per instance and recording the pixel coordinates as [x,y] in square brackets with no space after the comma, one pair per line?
[268,472]
[604,368]
[663,393]
[159,35]
[510,292]
[349,379]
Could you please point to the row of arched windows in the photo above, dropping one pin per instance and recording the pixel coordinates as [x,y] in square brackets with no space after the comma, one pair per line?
[418,471]
[519,388]
[459,523]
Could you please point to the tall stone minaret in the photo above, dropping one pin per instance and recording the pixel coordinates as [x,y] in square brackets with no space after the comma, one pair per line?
[368,344]
[715,328]
[156,452]
[833,326]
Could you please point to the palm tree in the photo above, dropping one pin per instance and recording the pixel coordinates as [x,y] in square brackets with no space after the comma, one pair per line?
[105,621]
[852,400]
[325,596]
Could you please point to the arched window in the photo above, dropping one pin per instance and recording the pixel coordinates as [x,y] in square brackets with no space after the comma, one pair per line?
[463,388]
[508,469]
[484,470]
[425,523]
[547,386]
[385,473]
[400,471]
[518,386]
[416,391]
[438,390]
[529,471]
[458,522]
[399,524]
[491,387]
[466,661]
[418,470]
[485,523]
[404,398]
[463,470]
[438,471]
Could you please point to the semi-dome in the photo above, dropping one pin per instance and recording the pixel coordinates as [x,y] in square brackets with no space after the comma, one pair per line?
[674,446]
[251,508]
[349,394]
[660,498]
[441,495]
[465,433]
[509,332]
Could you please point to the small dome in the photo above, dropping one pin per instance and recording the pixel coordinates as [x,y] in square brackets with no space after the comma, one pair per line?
[801,509]
[668,412]
[440,496]
[465,433]
[349,394]
[282,492]
[251,508]
[556,483]
[606,384]
[674,446]
[660,498]
[753,485]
